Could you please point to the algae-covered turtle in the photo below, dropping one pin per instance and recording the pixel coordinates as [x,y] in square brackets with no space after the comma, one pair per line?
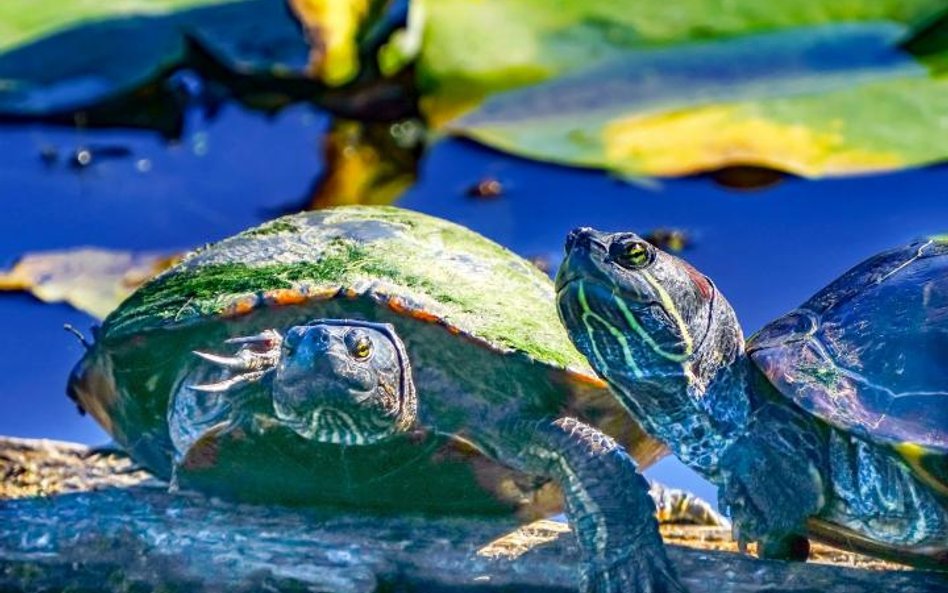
[306,359]
[832,423]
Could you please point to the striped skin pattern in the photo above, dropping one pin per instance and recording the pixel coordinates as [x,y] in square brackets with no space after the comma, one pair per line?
[831,425]
[268,353]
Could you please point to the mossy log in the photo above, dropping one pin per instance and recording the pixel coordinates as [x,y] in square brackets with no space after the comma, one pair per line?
[77,524]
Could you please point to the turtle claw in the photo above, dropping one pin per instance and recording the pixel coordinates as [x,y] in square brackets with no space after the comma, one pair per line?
[268,338]
[218,387]
[245,360]
[257,356]
[638,571]
[227,384]
[228,362]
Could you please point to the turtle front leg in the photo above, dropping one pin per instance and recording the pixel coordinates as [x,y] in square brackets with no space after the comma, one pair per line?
[607,503]
[773,482]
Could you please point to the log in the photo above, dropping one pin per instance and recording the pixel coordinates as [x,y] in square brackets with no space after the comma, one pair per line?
[90,524]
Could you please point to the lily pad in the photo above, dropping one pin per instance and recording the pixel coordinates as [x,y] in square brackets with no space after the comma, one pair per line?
[639,87]
[91,280]
[474,48]
[814,101]
[59,57]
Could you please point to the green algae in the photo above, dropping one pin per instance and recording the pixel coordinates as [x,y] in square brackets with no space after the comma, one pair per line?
[277,227]
[443,269]
[208,289]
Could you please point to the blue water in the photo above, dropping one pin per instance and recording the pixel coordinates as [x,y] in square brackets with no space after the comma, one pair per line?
[766,250]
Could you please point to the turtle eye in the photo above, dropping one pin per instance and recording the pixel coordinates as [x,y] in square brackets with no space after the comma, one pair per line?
[359,345]
[633,254]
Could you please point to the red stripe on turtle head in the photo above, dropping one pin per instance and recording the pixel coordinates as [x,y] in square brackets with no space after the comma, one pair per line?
[698,279]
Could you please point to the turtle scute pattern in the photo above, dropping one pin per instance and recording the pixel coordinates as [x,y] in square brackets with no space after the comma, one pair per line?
[869,353]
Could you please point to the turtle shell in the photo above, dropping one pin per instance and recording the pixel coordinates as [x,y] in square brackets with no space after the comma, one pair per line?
[423,266]
[456,299]
[868,354]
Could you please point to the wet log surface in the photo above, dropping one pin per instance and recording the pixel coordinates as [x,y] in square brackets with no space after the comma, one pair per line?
[68,522]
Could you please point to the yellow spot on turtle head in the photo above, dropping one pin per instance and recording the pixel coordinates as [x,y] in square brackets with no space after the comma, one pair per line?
[708,138]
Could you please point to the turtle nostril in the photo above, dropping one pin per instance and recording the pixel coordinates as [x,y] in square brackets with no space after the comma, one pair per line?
[322,341]
[578,236]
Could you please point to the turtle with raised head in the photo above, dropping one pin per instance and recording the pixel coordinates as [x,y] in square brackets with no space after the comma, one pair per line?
[830,423]
[341,356]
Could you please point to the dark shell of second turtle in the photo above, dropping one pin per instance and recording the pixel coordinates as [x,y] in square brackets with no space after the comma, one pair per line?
[869,354]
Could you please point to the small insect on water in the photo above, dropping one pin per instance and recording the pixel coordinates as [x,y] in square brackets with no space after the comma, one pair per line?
[486,188]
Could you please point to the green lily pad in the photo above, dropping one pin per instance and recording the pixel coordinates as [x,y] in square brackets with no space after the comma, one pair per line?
[814,101]
[59,57]
[640,87]
[474,48]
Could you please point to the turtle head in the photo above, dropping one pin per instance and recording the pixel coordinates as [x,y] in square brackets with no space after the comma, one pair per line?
[339,381]
[344,382]
[643,316]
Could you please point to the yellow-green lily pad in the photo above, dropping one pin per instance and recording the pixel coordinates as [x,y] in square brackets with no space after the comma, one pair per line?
[472,49]
[814,101]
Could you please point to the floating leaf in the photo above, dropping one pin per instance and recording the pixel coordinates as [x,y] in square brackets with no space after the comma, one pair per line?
[58,57]
[475,48]
[640,87]
[814,101]
[91,280]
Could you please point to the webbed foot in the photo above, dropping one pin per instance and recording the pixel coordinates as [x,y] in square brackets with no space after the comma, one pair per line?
[637,570]
[607,502]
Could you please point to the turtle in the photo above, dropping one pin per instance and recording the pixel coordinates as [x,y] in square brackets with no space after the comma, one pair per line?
[348,355]
[830,423]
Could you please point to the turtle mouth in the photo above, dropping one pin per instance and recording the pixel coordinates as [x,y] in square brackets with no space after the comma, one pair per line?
[562,284]
[583,298]
[328,425]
